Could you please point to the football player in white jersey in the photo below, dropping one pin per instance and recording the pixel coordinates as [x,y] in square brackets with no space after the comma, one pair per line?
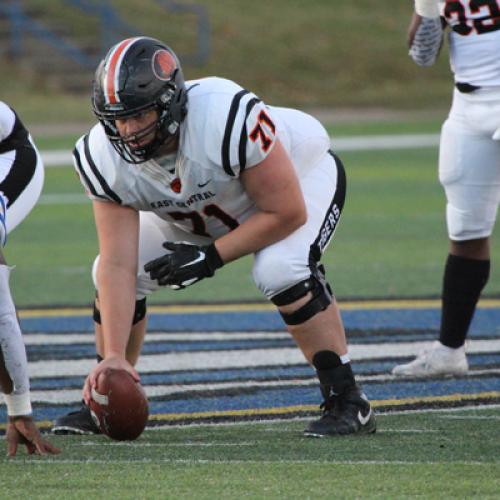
[186,177]
[21,180]
[469,164]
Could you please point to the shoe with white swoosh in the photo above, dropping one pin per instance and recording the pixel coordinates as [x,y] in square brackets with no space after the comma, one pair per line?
[76,422]
[347,413]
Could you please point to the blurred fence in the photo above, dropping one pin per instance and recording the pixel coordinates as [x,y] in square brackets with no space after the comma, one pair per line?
[41,35]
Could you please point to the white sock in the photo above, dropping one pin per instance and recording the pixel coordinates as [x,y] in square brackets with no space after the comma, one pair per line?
[345,359]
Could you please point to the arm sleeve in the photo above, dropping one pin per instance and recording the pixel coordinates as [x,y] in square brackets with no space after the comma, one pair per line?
[12,347]
[427,42]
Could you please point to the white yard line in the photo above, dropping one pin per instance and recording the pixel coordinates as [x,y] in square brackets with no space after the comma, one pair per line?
[384,142]
[321,463]
[164,445]
[281,356]
[56,158]
[88,338]
[407,431]
[62,158]
[470,417]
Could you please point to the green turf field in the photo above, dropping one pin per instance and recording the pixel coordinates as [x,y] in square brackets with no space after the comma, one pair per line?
[391,241]
[444,454]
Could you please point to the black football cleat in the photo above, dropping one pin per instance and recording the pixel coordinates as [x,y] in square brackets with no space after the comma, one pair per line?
[76,422]
[347,413]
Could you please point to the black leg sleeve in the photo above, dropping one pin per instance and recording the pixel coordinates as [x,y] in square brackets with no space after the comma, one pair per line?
[464,280]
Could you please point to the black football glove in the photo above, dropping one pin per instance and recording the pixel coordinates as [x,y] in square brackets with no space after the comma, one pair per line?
[186,265]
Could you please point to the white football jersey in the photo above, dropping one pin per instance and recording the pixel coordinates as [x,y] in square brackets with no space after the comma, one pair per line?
[226,130]
[21,172]
[474,40]
[7,120]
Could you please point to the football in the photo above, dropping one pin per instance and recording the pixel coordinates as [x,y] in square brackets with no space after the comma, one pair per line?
[119,406]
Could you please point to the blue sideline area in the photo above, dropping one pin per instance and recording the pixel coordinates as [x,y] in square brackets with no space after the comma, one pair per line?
[249,391]
[486,321]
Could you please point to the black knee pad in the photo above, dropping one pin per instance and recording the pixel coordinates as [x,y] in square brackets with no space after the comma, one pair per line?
[320,300]
[139,313]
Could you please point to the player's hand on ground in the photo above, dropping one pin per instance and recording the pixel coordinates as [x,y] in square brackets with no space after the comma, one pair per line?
[23,430]
[185,265]
[108,363]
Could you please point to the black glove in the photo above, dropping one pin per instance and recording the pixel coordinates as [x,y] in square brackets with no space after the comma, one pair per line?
[186,265]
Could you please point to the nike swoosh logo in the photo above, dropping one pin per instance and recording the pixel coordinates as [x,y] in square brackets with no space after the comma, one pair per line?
[204,184]
[201,256]
[364,420]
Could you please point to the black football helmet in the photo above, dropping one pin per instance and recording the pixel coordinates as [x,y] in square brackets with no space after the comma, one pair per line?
[137,75]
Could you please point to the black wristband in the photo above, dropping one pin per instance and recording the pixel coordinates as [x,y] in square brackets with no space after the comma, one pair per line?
[214,260]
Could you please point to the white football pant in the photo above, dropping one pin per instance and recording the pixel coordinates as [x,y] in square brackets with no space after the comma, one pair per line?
[276,267]
[469,164]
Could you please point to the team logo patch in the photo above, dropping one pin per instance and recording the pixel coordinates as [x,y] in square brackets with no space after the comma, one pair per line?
[163,64]
[176,185]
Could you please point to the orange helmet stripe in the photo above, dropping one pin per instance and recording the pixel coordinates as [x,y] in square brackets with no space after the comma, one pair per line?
[112,70]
